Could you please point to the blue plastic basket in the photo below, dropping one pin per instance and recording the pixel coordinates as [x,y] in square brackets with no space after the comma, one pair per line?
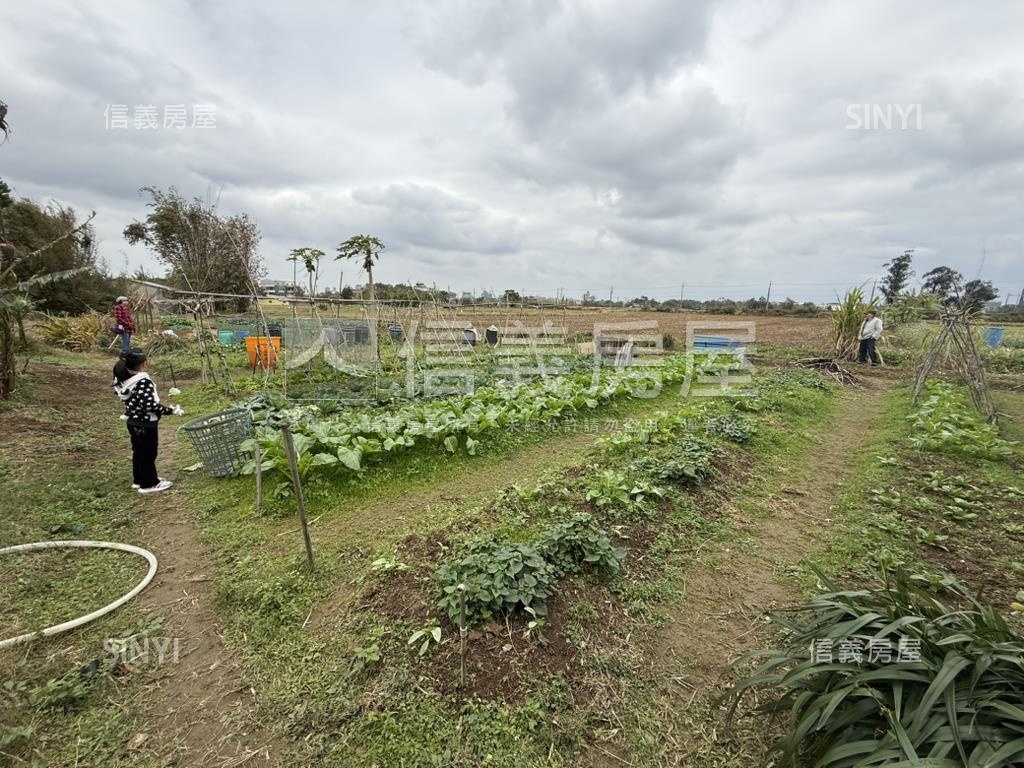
[993,335]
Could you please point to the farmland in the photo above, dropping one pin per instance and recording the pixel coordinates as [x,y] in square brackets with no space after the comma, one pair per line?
[618,554]
[519,385]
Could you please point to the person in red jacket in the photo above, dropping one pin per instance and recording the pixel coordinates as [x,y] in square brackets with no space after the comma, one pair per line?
[123,323]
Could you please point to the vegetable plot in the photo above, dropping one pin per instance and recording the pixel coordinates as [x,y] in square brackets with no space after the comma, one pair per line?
[347,440]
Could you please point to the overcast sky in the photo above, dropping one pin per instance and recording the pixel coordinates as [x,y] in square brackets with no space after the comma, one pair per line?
[540,145]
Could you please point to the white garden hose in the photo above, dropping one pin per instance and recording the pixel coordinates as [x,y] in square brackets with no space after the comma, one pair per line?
[56,629]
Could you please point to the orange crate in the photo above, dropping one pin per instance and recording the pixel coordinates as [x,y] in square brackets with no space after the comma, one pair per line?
[262,354]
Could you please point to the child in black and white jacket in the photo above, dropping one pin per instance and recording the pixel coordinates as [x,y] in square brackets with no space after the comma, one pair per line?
[142,411]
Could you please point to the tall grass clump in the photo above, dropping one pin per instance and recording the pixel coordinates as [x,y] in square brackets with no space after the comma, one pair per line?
[846,322]
[948,692]
[78,334]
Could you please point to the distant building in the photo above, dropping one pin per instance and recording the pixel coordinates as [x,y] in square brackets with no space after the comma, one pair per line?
[276,287]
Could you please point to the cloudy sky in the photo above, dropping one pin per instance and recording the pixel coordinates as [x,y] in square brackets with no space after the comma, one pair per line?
[544,145]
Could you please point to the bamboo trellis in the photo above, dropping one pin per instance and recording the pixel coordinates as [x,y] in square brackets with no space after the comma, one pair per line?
[956,340]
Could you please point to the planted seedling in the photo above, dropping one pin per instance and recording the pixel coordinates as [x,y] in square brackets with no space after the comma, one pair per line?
[924,536]
[430,634]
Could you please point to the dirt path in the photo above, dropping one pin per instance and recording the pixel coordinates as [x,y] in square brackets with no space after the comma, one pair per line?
[193,712]
[728,591]
[200,709]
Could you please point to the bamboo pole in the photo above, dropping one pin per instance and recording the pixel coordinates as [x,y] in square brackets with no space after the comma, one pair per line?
[293,465]
[258,454]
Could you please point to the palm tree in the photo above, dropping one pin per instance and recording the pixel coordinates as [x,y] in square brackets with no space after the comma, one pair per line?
[367,248]
[310,257]
[363,247]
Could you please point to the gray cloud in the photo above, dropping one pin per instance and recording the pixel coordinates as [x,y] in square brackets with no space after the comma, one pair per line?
[540,145]
[429,217]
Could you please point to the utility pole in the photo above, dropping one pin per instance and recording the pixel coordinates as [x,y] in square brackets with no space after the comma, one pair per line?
[768,298]
[874,284]
[682,287]
[341,282]
[611,292]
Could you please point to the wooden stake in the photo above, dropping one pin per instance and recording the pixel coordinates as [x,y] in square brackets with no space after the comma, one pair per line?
[259,478]
[462,636]
[293,465]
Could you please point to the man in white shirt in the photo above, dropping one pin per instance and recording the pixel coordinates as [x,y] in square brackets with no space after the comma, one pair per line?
[870,332]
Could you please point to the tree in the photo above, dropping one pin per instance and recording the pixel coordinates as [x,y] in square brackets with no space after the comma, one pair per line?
[4,127]
[943,282]
[362,247]
[368,249]
[977,293]
[899,274]
[206,252]
[511,296]
[28,227]
[15,302]
[310,257]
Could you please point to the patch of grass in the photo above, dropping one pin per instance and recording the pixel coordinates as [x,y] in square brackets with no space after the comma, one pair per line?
[59,481]
[891,674]
[861,536]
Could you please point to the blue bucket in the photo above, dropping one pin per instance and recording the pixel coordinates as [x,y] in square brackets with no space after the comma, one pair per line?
[993,335]
[240,336]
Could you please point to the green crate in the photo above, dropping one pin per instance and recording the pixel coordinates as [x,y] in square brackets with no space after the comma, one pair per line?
[218,440]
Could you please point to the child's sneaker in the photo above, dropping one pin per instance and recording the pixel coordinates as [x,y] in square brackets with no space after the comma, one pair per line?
[163,485]
[135,486]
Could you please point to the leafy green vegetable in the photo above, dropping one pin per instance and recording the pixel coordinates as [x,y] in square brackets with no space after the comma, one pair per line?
[501,577]
[946,423]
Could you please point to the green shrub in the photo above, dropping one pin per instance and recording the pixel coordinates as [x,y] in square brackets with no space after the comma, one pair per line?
[578,542]
[734,427]
[1004,359]
[501,577]
[687,462]
[614,491]
[950,695]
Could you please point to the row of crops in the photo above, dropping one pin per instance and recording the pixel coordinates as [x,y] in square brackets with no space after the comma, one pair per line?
[347,440]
